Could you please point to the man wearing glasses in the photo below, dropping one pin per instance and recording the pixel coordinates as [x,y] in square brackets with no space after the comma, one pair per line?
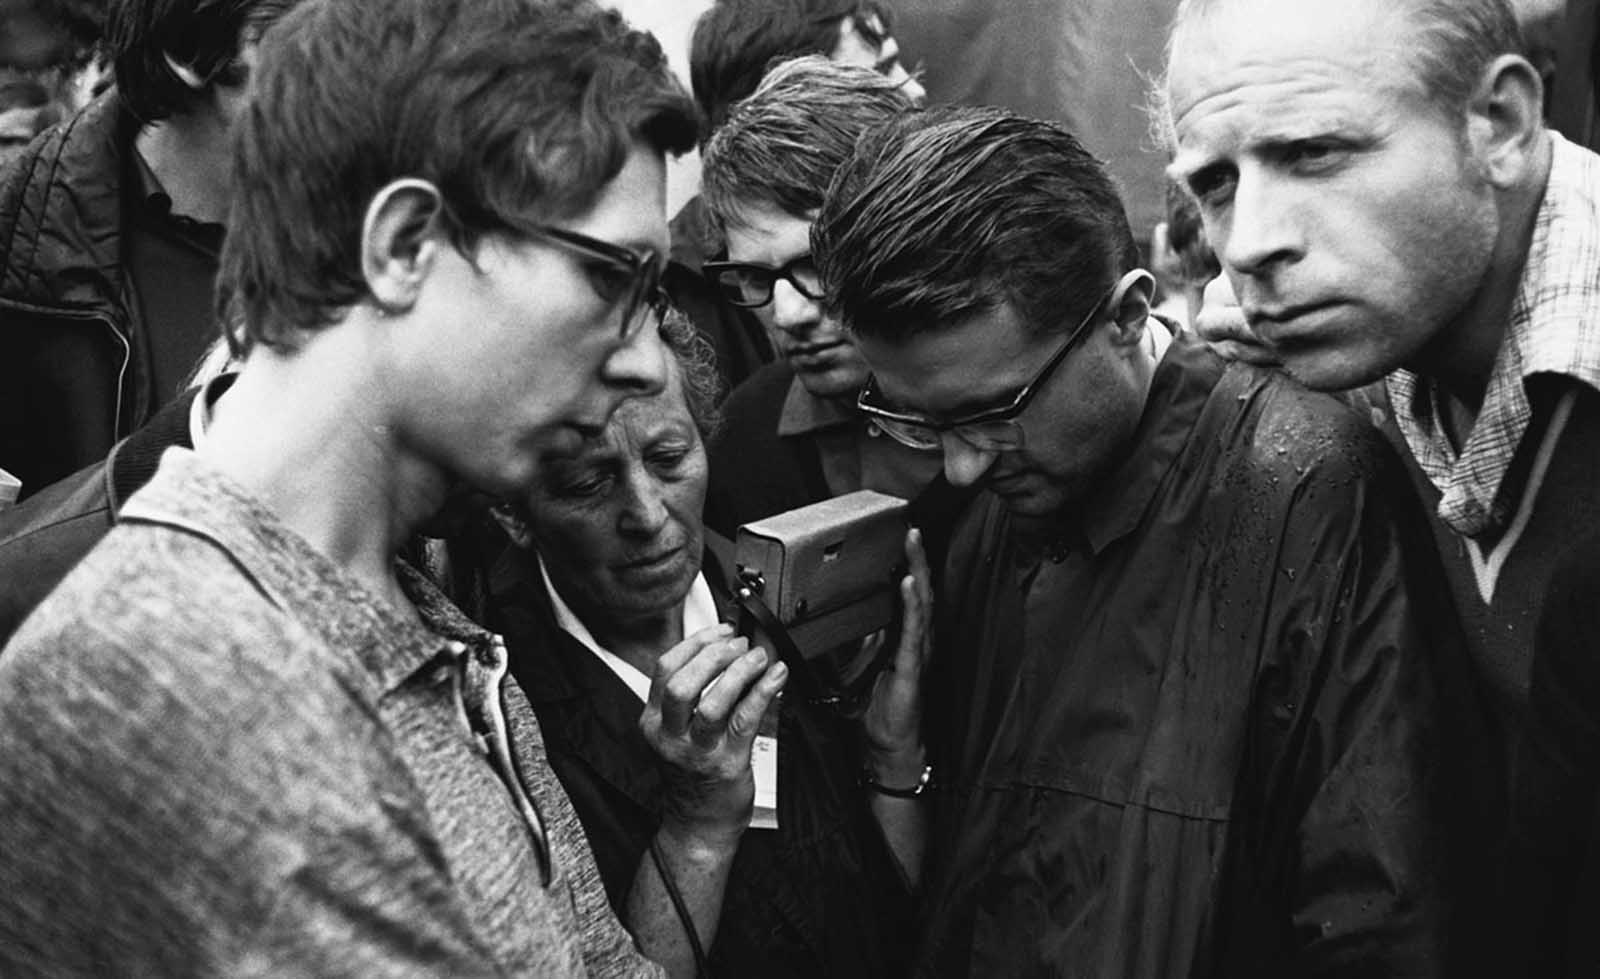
[241,738]
[793,434]
[1184,676]
[735,42]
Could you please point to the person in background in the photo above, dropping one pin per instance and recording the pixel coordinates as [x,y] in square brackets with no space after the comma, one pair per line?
[1183,261]
[735,42]
[612,568]
[109,234]
[1186,669]
[240,738]
[794,435]
[26,110]
[48,35]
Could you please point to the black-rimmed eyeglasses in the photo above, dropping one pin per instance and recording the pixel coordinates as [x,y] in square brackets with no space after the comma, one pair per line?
[618,275]
[990,430]
[750,285]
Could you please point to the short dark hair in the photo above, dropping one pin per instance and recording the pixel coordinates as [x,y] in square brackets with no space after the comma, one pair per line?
[516,110]
[782,145]
[953,211]
[736,42]
[204,35]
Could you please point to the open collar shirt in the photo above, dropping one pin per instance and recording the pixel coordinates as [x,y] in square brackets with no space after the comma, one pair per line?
[1554,329]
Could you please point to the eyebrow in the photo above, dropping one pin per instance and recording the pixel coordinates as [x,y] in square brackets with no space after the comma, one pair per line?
[973,403]
[1322,123]
[967,405]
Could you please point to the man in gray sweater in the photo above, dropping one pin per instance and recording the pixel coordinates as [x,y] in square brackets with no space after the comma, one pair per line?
[241,738]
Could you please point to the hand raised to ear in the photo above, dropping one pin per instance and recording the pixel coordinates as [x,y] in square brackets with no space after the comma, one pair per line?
[893,720]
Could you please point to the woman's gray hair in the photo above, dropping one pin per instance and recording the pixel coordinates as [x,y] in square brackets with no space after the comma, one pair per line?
[697,369]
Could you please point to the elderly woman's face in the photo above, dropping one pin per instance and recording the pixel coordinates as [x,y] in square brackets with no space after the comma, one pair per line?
[618,524]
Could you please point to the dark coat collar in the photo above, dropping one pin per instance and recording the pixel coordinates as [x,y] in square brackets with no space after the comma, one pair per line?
[134,460]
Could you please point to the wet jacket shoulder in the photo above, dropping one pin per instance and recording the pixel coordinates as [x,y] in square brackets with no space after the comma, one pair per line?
[1278,794]
[46,535]
[71,381]
[1368,794]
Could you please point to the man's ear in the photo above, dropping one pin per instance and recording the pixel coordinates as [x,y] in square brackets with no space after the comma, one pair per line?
[1505,120]
[1130,304]
[400,241]
[515,527]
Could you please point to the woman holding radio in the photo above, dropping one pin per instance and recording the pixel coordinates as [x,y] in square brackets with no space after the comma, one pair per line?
[609,574]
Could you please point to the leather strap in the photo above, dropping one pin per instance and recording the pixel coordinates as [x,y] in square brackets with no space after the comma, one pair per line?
[849,697]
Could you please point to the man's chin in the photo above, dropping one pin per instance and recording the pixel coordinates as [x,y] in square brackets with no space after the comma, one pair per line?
[1029,503]
[830,384]
[1325,371]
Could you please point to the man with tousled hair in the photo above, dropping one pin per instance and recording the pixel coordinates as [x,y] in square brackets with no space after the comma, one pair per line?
[109,233]
[241,738]
[1185,669]
[794,435]
[735,43]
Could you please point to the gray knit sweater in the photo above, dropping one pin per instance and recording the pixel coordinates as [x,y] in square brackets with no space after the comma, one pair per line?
[220,755]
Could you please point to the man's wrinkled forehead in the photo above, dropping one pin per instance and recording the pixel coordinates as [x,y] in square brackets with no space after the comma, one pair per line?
[1219,37]
[1202,26]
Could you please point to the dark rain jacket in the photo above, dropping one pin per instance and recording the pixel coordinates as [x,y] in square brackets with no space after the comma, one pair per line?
[819,896]
[73,369]
[46,535]
[1199,734]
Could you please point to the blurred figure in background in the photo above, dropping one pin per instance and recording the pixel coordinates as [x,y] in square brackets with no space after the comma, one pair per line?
[1182,259]
[27,109]
[109,233]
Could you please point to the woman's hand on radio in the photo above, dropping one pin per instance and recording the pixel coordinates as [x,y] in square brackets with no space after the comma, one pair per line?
[893,720]
[706,701]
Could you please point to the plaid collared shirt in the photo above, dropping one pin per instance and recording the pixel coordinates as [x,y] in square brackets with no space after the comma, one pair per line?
[1554,328]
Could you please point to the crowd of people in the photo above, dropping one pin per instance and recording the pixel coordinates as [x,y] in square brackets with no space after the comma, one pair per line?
[370,607]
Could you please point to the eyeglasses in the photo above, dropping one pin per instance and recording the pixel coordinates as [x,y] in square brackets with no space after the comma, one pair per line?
[750,286]
[989,430]
[618,275]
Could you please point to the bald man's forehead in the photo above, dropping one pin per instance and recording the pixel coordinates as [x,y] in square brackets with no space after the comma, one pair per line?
[1209,34]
